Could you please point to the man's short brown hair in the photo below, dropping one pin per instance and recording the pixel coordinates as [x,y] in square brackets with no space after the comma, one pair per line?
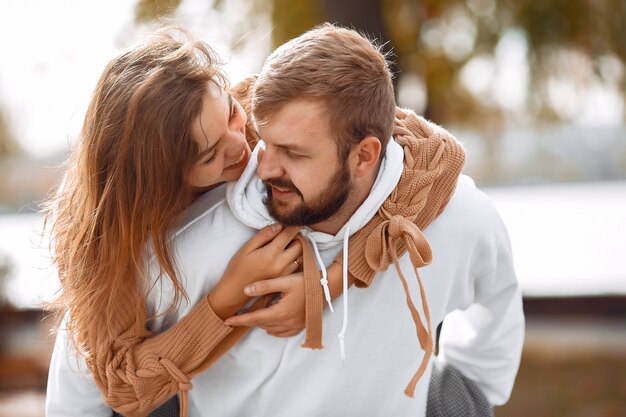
[339,68]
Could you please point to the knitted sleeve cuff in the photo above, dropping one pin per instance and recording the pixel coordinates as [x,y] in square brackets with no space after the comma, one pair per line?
[187,343]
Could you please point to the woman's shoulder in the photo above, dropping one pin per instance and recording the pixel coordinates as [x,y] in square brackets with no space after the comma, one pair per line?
[202,207]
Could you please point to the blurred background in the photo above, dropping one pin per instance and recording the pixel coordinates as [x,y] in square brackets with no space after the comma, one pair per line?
[536,91]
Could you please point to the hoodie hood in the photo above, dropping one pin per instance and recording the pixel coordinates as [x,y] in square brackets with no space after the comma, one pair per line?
[246,197]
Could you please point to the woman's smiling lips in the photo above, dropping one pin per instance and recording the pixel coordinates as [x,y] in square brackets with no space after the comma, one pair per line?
[243,160]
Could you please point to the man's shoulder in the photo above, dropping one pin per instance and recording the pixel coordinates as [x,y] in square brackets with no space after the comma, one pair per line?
[470,209]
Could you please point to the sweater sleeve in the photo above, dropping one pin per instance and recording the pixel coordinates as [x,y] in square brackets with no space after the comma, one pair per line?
[137,371]
[136,374]
[141,375]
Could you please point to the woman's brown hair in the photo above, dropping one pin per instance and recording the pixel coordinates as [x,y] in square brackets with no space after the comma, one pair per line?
[126,181]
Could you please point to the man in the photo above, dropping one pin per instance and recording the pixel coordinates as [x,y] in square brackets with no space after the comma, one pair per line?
[324,108]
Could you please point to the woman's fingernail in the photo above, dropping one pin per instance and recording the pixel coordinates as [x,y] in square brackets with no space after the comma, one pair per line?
[276,227]
[249,289]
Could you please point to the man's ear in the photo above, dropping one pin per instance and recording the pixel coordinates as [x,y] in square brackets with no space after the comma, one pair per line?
[368,154]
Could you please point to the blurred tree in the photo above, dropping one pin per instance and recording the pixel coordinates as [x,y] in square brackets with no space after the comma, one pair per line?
[486,65]
[464,51]
[148,10]
[6,269]
[8,145]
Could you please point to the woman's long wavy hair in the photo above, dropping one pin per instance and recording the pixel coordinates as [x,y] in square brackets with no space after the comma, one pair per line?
[126,182]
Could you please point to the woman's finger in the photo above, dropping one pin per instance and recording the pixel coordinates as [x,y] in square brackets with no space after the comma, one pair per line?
[263,237]
[291,258]
[268,286]
[291,267]
[284,238]
[294,250]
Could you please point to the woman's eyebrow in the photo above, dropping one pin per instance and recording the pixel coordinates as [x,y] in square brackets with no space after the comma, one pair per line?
[210,148]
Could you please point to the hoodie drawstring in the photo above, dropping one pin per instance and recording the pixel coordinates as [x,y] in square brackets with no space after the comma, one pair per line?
[321,267]
[313,301]
[344,325]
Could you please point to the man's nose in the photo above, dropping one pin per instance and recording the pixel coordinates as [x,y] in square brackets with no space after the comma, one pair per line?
[269,166]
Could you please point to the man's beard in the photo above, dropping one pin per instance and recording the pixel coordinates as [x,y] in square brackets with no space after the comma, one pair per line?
[326,204]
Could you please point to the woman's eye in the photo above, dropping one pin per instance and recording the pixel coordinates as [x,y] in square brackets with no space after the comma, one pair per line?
[211,159]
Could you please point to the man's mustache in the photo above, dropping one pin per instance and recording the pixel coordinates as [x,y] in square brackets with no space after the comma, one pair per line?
[282,184]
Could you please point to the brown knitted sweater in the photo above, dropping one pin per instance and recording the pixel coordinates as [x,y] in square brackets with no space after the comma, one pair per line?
[139,370]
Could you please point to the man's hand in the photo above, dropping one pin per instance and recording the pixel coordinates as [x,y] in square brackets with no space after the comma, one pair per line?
[284,318]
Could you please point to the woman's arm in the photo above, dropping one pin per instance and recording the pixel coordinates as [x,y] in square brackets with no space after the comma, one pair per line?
[136,371]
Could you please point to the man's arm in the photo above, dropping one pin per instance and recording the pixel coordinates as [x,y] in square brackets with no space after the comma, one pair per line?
[485,340]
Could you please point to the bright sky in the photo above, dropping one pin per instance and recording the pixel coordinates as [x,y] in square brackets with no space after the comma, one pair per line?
[54,51]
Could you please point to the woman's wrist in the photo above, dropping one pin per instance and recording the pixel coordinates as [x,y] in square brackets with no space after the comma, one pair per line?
[226,300]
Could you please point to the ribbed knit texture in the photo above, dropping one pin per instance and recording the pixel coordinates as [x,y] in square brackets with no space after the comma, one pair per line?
[138,370]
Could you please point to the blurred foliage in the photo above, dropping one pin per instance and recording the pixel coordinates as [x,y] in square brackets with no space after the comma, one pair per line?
[567,47]
[148,10]
[436,39]
[6,268]
[291,18]
[8,145]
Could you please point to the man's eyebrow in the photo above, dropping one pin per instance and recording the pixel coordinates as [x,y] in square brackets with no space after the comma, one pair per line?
[291,147]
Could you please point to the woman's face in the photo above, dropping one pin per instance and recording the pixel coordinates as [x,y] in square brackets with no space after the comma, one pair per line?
[220,134]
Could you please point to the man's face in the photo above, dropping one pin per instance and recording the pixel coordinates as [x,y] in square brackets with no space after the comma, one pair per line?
[306,183]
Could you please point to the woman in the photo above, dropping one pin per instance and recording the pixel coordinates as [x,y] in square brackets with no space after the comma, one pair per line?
[146,152]
[141,160]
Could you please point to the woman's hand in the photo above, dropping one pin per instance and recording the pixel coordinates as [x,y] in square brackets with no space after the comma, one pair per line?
[271,253]
[284,318]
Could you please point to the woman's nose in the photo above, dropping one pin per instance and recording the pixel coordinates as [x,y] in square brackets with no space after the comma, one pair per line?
[236,145]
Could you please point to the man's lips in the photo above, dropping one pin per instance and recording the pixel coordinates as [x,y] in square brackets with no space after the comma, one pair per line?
[279,191]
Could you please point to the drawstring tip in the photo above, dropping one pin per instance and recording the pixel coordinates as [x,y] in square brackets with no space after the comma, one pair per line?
[342,348]
[324,283]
